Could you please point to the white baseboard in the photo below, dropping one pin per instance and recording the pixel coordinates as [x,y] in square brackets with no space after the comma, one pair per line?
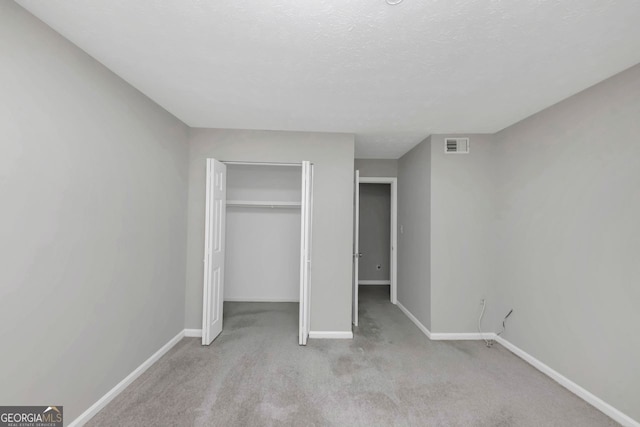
[111,394]
[413,318]
[585,395]
[331,334]
[374,282]
[193,333]
[457,336]
[262,299]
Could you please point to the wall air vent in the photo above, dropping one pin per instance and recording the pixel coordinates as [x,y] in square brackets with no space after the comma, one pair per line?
[456,145]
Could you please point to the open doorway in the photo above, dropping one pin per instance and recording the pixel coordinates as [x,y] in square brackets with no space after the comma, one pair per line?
[375,241]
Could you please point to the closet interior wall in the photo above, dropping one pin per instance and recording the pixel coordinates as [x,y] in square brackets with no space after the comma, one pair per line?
[263,233]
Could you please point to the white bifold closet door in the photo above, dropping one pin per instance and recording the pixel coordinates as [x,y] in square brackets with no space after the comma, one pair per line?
[356,246]
[214,250]
[305,251]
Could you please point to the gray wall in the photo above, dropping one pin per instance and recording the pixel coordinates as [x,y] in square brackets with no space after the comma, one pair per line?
[93,184]
[332,155]
[463,235]
[377,167]
[375,230]
[414,220]
[571,215]
[541,217]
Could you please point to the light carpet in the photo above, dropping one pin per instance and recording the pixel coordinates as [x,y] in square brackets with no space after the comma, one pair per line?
[390,374]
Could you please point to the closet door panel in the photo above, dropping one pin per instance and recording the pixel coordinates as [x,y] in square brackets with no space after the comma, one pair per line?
[214,251]
[306,221]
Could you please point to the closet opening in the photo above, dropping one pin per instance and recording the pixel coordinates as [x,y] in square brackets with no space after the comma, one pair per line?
[260,227]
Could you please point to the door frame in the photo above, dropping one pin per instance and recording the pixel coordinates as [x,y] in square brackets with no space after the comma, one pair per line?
[393,262]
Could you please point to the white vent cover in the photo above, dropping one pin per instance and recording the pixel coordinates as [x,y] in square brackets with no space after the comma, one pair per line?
[456,145]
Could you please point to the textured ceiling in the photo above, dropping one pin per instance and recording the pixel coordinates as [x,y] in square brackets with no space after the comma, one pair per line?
[390,74]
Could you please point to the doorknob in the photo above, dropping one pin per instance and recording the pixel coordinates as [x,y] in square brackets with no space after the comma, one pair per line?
[359,255]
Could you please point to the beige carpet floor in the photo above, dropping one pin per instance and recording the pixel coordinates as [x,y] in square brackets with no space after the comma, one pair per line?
[390,374]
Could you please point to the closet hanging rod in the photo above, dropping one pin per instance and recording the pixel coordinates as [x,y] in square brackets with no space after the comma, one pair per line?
[260,163]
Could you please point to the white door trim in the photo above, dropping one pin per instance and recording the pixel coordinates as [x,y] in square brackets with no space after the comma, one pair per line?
[394,229]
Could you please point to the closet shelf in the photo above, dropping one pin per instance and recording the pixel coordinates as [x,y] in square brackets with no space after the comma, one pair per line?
[263,204]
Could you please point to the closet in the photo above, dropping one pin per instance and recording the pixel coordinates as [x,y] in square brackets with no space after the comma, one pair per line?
[257,238]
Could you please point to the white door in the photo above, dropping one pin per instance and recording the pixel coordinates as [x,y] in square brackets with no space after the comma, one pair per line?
[356,245]
[305,251]
[214,248]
